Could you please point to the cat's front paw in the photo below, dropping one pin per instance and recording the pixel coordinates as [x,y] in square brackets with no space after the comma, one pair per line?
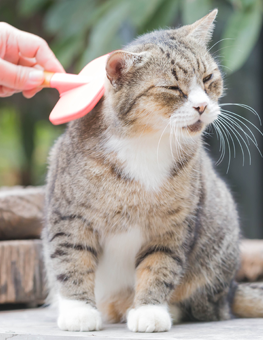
[78,316]
[149,318]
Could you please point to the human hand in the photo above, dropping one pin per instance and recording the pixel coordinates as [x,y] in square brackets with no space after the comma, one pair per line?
[23,57]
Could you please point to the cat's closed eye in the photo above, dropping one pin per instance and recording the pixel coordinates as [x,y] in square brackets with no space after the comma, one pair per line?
[175,88]
[207,78]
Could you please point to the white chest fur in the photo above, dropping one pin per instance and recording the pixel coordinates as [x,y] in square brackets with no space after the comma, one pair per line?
[147,160]
[116,268]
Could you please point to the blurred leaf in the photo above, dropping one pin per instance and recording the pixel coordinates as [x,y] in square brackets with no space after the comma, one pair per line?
[247,3]
[103,35]
[11,151]
[193,10]
[29,7]
[141,11]
[57,17]
[242,4]
[68,18]
[68,49]
[71,30]
[164,15]
[244,28]
[45,135]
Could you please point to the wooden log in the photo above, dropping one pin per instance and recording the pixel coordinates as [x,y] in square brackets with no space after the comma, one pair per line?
[21,212]
[21,272]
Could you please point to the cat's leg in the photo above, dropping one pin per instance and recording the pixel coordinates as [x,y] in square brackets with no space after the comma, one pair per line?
[158,270]
[73,255]
[209,305]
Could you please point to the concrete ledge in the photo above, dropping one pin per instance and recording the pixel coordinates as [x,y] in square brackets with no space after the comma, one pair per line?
[40,324]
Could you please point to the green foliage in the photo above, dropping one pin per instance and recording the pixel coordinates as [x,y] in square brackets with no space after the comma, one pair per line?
[103,36]
[27,8]
[11,152]
[193,10]
[244,28]
[164,15]
[86,29]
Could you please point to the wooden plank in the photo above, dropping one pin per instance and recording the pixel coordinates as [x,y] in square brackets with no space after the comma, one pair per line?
[41,324]
[21,212]
[21,272]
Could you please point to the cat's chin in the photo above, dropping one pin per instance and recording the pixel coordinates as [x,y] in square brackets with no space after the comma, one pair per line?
[195,128]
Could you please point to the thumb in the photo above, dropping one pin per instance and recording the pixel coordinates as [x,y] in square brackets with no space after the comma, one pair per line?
[19,77]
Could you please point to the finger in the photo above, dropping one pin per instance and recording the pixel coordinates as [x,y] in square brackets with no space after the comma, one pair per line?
[32,46]
[29,45]
[6,91]
[19,77]
[30,93]
[29,62]
[14,41]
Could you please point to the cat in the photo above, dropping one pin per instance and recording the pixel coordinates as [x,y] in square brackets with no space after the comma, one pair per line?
[138,223]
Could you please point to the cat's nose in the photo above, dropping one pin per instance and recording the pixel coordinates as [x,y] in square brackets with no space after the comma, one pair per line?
[201,107]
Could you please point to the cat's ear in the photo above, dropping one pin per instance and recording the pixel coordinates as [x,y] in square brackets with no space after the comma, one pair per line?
[120,63]
[202,29]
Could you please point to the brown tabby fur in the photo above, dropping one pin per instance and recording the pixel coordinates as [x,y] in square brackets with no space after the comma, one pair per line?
[190,225]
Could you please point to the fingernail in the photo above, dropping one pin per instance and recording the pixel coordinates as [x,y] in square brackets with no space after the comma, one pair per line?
[35,78]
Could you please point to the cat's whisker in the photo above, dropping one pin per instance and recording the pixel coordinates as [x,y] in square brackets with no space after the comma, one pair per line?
[220,159]
[217,43]
[170,140]
[254,142]
[235,122]
[244,106]
[216,128]
[229,113]
[224,129]
[226,67]
[217,135]
[234,131]
[177,138]
[230,119]
[158,145]
[234,146]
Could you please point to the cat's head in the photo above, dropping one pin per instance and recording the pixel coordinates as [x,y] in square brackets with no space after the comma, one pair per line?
[166,79]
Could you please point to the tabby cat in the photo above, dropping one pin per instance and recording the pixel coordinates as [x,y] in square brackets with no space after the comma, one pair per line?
[138,224]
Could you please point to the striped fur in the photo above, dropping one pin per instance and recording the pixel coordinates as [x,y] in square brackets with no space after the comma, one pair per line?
[136,217]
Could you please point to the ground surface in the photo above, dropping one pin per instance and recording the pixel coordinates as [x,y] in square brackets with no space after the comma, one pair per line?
[40,324]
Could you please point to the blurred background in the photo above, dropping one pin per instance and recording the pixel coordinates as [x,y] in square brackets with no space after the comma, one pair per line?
[80,30]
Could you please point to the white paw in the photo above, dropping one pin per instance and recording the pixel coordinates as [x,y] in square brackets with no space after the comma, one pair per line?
[149,318]
[78,316]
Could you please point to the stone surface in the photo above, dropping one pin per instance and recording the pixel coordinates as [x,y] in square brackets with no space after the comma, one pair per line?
[21,212]
[40,324]
[21,272]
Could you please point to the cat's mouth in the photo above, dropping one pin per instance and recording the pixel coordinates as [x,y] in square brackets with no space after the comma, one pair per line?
[197,126]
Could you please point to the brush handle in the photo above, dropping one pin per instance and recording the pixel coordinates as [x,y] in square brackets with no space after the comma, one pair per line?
[64,82]
[48,76]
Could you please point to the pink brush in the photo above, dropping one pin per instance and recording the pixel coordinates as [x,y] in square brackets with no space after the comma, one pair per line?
[78,93]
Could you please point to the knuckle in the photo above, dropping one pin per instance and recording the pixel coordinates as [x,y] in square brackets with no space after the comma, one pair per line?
[21,77]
